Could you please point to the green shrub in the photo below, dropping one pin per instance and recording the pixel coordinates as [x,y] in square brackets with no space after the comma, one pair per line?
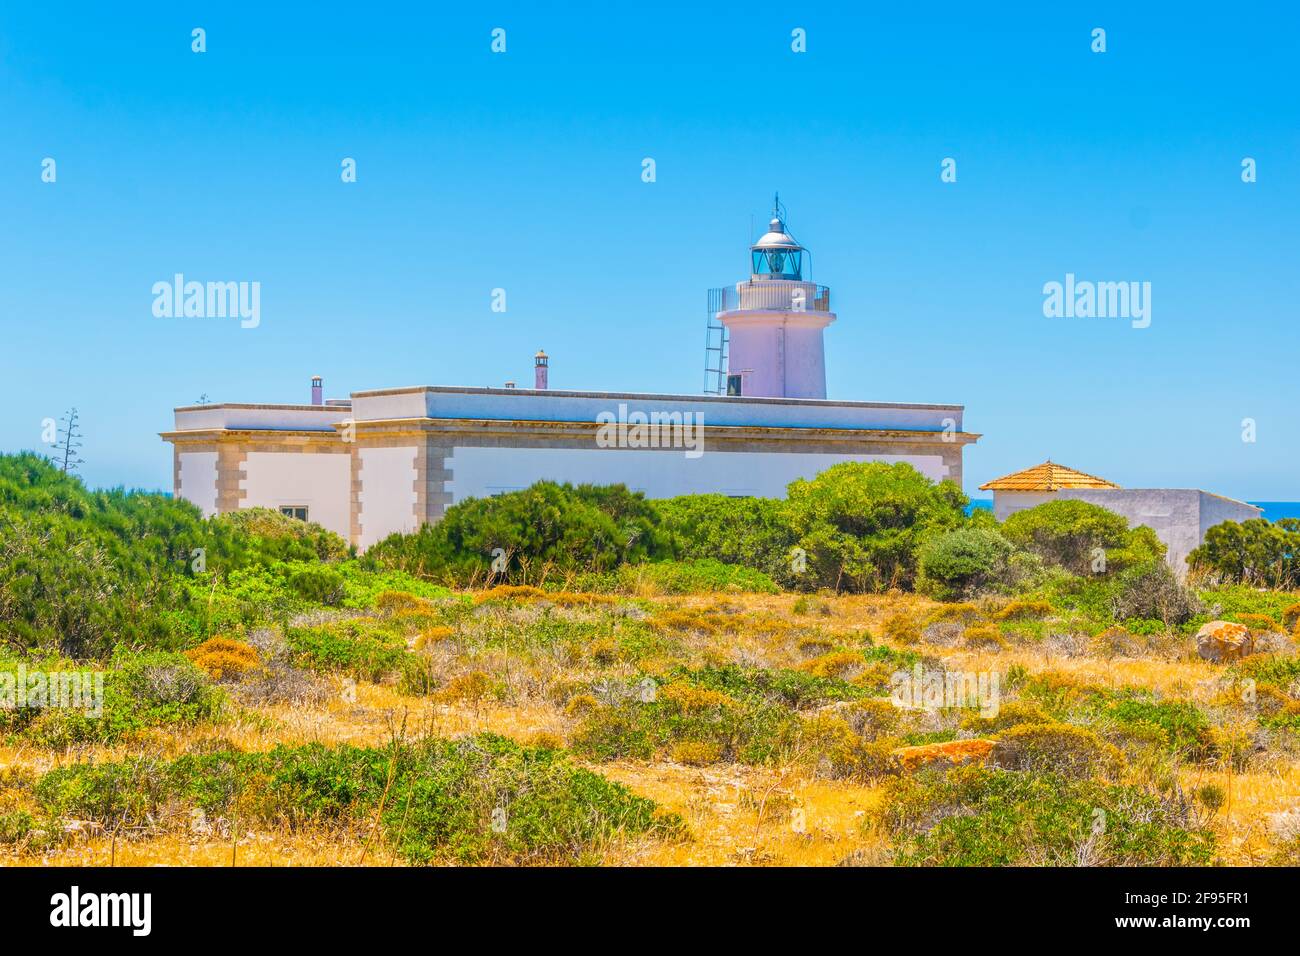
[320,585]
[1271,669]
[753,532]
[861,524]
[15,827]
[140,691]
[85,572]
[1187,728]
[283,538]
[546,526]
[1073,534]
[1056,748]
[475,800]
[750,715]
[1152,591]
[1257,552]
[976,816]
[362,648]
[965,561]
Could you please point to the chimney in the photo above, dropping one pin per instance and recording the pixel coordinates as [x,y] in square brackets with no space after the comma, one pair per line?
[540,363]
[316,396]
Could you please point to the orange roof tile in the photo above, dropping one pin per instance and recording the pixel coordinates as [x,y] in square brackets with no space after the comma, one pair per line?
[1048,476]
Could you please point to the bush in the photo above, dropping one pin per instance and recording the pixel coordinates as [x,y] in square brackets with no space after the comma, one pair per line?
[399,602]
[1071,534]
[468,688]
[963,562]
[15,827]
[1258,622]
[1013,713]
[839,664]
[1021,610]
[902,628]
[1258,552]
[221,658]
[1186,728]
[140,691]
[696,753]
[1152,591]
[319,584]
[985,638]
[1056,748]
[164,682]
[545,527]
[361,648]
[283,538]
[1115,642]
[976,816]
[861,524]
[83,573]
[753,532]
[748,714]
[482,799]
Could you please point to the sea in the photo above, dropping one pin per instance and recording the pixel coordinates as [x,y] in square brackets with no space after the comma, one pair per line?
[1273,510]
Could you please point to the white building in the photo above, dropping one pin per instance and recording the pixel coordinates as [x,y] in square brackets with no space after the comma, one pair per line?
[1179,516]
[389,460]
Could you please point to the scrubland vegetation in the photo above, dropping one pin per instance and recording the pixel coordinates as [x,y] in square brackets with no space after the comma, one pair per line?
[860,674]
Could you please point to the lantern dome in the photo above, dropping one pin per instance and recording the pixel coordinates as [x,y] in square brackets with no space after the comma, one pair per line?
[777,255]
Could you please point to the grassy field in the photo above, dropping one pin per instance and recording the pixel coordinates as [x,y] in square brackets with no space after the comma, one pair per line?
[744,729]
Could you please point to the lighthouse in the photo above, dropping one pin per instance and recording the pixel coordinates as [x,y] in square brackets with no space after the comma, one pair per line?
[387,460]
[774,321]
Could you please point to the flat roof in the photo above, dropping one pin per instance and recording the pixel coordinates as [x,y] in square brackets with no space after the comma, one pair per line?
[732,399]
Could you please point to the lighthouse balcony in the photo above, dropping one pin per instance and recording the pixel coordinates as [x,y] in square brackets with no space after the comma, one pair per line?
[771,295]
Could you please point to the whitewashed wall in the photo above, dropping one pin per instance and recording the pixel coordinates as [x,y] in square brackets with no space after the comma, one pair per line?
[322,482]
[199,480]
[1216,510]
[1009,502]
[387,498]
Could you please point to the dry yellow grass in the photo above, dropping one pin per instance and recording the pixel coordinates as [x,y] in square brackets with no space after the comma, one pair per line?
[747,816]
[736,815]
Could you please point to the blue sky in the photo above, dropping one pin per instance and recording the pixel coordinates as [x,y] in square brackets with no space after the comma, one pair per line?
[523,171]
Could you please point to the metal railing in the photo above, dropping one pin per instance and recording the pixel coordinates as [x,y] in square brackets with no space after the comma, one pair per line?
[772,297]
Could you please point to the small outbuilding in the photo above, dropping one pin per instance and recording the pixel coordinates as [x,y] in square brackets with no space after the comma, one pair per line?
[1179,516]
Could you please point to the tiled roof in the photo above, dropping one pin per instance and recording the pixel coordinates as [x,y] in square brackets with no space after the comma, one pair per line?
[1048,476]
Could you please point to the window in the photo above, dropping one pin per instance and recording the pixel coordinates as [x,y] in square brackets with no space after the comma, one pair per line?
[734,386]
[294,511]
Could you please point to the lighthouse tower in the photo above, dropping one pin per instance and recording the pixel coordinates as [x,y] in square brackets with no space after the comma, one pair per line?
[774,321]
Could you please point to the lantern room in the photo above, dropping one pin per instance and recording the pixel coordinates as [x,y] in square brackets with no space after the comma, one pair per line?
[776,254]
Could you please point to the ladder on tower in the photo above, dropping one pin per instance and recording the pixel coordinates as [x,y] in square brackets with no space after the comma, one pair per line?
[715,347]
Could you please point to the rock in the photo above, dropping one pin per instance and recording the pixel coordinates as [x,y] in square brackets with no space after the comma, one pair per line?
[954,753]
[1223,641]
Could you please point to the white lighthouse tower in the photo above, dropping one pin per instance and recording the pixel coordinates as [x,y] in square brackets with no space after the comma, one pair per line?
[774,321]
